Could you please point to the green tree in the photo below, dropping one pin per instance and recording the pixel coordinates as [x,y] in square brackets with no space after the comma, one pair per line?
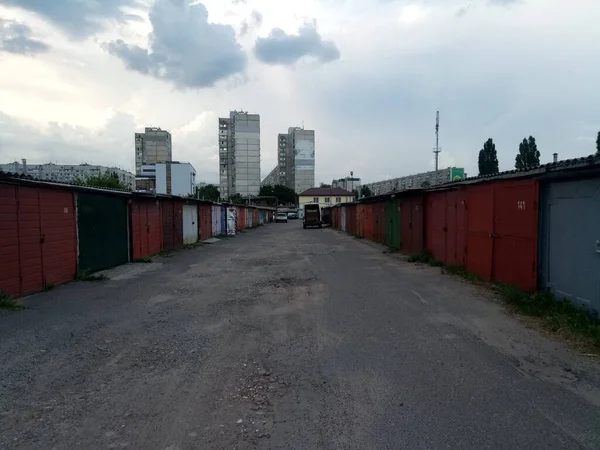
[324,185]
[107,180]
[528,156]
[208,192]
[488,158]
[356,194]
[237,199]
[598,144]
[365,191]
[284,194]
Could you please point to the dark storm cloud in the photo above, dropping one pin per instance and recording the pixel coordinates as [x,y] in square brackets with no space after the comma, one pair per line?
[16,38]
[286,49]
[78,18]
[185,49]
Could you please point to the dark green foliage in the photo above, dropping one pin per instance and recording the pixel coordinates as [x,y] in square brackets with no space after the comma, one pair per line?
[7,303]
[356,194]
[488,158]
[557,315]
[365,191]
[528,156]
[598,144]
[237,199]
[208,192]
[324,185]
[285,195]
[108,180]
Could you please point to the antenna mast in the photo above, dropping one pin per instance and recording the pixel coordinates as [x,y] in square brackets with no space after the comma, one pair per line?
[437,140]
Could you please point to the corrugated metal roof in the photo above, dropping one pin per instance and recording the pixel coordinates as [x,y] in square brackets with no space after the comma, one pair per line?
[550,169]
[29,180]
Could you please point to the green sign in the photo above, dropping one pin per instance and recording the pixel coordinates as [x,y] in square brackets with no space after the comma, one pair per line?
[457,174]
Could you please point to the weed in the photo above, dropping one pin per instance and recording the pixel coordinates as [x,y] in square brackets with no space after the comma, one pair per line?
[422,257]
[358,236]
[461,272]
[86,275]
[8,303]
[143,259]
[558,316]
[49,287]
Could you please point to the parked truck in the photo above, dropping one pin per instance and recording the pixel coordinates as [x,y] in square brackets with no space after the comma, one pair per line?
[312,216]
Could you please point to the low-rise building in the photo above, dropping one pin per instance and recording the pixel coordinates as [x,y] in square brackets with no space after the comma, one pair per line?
[171,178]
[418,181]
[67,173]
[325,197]
[350,183]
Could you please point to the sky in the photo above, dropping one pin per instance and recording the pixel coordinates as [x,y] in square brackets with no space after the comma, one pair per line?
[79,78]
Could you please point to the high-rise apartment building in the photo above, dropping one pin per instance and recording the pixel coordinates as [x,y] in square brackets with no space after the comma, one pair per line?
[295,160]
[302,143]
[239,154]
[151,147]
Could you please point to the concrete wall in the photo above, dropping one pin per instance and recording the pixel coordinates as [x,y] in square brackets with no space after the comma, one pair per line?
[183,179]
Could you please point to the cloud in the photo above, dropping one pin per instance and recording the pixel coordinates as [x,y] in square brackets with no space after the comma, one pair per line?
[80,18]
[16,38]
[254,23]
[110,144]
[286,49]
[185,49]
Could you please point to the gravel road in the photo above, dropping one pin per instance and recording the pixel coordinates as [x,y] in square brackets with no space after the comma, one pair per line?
[284,338]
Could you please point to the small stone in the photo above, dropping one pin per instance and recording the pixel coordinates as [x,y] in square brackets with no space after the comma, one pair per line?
[239,421]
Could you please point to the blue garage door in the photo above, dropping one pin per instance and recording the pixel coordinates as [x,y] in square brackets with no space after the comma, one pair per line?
[570,241]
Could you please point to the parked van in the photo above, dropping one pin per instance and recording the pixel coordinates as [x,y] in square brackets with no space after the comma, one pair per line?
[312,215]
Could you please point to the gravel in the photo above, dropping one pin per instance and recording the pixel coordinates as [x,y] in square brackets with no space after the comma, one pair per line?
[286,338]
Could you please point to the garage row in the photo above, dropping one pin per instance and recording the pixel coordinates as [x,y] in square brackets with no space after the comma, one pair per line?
[536,229]
[50,232]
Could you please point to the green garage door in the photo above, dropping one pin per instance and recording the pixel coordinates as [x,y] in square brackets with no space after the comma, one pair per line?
[102,231]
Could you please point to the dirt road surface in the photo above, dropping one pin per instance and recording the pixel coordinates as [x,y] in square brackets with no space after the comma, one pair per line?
[284,338]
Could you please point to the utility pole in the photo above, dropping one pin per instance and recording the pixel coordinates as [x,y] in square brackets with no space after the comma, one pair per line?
[437,149]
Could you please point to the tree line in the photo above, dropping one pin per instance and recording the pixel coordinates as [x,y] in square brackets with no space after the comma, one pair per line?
[528,156]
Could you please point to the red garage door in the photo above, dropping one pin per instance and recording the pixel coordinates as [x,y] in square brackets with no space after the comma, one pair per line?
[146,228]
[38,239]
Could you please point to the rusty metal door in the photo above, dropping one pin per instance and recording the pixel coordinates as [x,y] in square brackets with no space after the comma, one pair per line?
[515,233]
[480,230]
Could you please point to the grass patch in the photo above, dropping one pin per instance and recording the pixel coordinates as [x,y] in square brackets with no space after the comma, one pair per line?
[461,272]
[86,275]
[557,316]
[358,236]
[144,259]
[7,303]
[422,257]
[49,287]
